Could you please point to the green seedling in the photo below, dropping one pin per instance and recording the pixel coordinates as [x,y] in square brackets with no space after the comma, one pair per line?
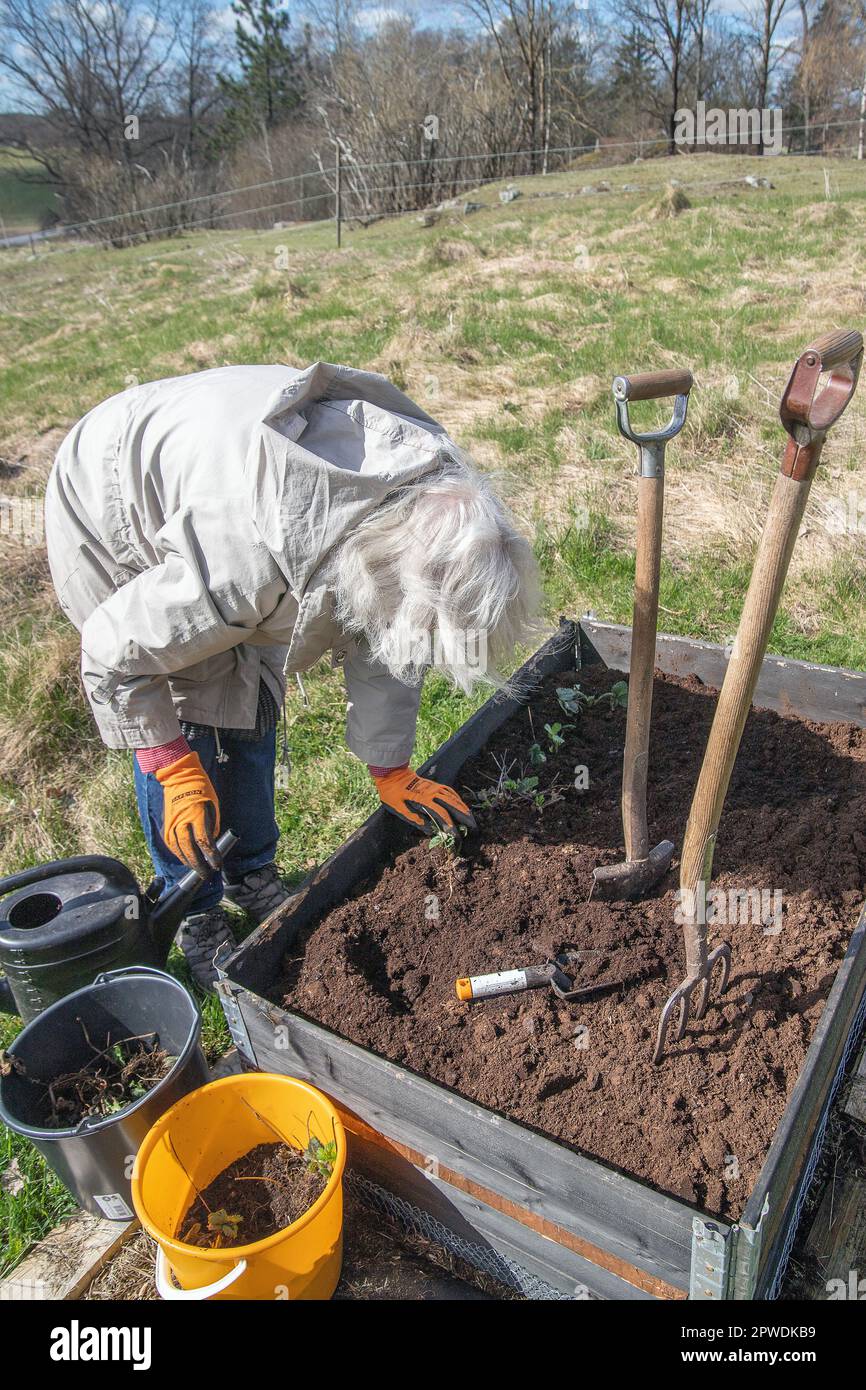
[537,756]
[573,700]
[448,837]
[222,1224]
[507,789]
[556,735]
[320,1158]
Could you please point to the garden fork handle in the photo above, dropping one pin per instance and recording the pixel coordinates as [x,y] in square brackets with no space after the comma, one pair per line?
[807,416]
[735,700]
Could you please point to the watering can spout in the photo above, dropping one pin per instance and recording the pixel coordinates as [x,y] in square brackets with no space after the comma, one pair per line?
[166,916]
[7,998]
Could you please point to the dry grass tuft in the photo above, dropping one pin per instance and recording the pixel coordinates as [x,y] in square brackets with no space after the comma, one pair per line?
[827,214]
[672,202]
[453,251]
[129,1276]
[39,683]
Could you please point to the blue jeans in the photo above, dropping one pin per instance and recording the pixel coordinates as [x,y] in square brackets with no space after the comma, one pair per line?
[244,784]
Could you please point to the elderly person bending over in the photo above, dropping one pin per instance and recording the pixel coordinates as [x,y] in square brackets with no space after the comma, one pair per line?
[211,534]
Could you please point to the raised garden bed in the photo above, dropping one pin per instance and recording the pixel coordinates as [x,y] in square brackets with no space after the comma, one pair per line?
[613,1186]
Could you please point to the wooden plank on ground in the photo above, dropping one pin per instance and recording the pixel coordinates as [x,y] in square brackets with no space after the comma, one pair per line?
[63,1264]
[227,1065]
[837,1240]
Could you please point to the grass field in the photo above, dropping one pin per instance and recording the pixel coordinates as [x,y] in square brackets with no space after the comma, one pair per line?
[22,202]
[508,325]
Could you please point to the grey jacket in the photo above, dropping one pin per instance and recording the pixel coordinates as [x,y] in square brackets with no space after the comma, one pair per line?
[188,522]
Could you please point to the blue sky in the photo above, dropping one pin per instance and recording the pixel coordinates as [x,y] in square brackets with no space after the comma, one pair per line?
[436,14]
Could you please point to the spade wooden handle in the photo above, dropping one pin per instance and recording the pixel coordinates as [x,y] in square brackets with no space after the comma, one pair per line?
[650,508]
[653,386]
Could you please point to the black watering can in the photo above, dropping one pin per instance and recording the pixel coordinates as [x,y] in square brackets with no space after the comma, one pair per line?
[67,921]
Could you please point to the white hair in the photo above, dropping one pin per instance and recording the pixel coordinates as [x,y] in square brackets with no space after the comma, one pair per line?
[438,575]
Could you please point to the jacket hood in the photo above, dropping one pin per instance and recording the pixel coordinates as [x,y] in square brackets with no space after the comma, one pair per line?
[332,443]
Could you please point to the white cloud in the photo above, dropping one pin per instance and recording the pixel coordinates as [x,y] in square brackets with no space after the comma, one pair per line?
[375,17]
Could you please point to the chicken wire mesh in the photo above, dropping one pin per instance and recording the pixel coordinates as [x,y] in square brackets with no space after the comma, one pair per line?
[415,1221]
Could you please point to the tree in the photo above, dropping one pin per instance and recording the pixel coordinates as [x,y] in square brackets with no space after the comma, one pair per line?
[664,27]
[698,21]
[122,95]
[268,88]
[89,71]
[760,25]
[200,54]
[521,31]
[632,86]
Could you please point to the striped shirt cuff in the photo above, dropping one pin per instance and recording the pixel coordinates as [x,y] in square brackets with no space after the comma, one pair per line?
[150,759]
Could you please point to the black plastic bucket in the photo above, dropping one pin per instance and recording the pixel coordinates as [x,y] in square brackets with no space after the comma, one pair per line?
[94,1160]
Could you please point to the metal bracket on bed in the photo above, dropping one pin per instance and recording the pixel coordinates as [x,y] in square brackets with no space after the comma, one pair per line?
[712,1258]
[744,1279]
[233,1016]
[725,1260]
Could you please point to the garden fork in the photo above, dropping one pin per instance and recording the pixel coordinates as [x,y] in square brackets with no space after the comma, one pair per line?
[807,413]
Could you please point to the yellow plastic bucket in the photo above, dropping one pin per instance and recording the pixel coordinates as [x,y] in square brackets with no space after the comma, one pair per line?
[193,1142]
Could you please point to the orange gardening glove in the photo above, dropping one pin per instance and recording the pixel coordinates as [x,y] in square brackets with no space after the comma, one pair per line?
[428,805]
[191,813]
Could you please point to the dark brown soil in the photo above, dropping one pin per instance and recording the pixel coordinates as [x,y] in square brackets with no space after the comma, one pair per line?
[380,970]
[259,1194]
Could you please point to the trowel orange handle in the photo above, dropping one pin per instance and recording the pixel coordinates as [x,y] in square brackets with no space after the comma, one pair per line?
[471,987]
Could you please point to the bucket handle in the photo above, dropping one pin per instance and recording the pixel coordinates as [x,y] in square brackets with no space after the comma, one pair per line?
[107,975]
[166,1289]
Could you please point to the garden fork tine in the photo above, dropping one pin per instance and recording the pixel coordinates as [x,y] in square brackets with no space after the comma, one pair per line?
[807,415]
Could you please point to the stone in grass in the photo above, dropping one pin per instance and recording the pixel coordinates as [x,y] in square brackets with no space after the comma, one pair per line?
[471,207]
[757,181]
[428,218]
[508,195]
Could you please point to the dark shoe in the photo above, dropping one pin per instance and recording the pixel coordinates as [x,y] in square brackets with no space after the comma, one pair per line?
[201,935]
[258,893]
